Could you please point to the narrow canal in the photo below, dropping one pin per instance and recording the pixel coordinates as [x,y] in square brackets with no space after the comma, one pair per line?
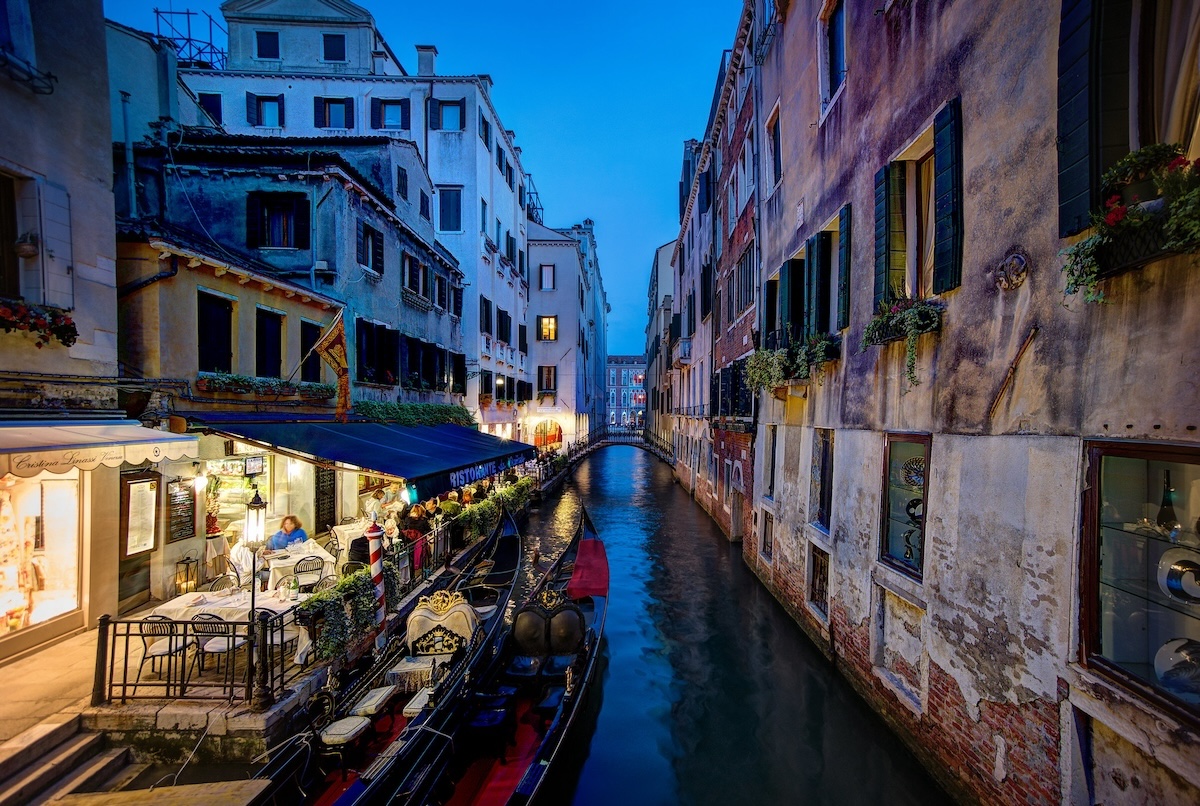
[711,693]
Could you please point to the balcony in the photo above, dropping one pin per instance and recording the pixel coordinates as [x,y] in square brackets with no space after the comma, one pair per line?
[681,353]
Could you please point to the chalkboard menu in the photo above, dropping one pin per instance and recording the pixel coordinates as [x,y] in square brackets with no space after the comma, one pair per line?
[181,510]
[325,508]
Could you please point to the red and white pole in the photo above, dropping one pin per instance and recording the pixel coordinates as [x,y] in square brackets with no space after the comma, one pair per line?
[374,535]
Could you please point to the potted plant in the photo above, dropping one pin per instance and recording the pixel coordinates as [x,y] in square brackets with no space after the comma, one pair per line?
[765,369]
[275,387]
[318,391]
[903,319]
[44,323]
[485,400]
[224,382]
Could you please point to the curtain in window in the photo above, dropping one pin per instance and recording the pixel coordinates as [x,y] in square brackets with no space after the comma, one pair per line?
[1172,107]
[927,202]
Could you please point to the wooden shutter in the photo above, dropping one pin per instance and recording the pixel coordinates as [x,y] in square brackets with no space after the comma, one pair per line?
[811,301]
[404,119]
[881,238]
[376,113]
[361,244]
[390,360]
[947,189]
[818,300]
[251,109]
[377,251]
[890,256]
[844,253]
[279,98]
[1074,129]
[303,221]
[349,113]
[435,113]
[785,301]
[319,113]
[57,256]
[253,220]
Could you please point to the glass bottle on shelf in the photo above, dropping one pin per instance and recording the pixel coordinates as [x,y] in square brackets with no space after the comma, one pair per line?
[1167,519]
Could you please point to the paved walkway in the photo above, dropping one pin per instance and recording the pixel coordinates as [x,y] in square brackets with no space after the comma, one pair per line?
[46,682]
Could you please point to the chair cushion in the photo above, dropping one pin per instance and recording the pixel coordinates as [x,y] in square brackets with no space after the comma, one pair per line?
[524,666]
[552,700]
[222,644]
[557,665]
[375,700]
[344,731]
[489,719]
[417,703]
[165,646]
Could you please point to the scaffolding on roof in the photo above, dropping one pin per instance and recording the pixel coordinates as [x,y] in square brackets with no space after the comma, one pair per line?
[192,49]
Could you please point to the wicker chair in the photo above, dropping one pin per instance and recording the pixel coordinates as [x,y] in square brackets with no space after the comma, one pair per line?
[224,582]
[308,571]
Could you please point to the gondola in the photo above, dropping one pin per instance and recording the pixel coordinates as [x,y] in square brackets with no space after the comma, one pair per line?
[513,724]
[451,627]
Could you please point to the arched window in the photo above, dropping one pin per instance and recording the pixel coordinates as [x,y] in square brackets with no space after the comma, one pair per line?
[547,434]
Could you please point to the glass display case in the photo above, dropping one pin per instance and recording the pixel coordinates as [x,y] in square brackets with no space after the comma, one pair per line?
[229,488]
[903,541]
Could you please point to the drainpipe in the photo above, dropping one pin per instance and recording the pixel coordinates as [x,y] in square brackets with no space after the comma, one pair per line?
[131,188]
[138,285]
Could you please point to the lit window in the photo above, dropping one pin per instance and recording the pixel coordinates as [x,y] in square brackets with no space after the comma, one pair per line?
[547,277]
[547,328]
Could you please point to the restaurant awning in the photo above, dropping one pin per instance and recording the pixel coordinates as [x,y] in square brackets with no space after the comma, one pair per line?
[432,459]
[29,447]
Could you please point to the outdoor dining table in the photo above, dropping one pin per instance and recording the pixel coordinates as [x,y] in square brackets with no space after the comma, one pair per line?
[283,562]
[233,605]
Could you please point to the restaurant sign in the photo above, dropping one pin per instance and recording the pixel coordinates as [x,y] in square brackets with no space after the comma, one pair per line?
[438,483]
[30,464]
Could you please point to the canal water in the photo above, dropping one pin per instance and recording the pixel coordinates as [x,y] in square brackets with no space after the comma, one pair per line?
[710,693]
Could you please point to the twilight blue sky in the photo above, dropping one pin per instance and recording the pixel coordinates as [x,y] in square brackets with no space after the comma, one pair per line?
[601,96]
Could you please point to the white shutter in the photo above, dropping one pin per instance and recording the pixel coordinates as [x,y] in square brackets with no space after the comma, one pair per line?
[57,264]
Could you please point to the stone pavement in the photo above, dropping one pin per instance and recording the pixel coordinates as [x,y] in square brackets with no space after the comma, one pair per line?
[45,682]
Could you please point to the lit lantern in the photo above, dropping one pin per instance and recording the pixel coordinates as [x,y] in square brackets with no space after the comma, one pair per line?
[256,521]
[185,575]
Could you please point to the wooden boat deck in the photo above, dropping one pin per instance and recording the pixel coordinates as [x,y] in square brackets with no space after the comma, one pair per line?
[227,793]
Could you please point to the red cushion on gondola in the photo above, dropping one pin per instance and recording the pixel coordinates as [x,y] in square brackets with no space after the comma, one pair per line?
[591,571]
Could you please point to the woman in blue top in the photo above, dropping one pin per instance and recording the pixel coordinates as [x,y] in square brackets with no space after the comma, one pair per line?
[290,531]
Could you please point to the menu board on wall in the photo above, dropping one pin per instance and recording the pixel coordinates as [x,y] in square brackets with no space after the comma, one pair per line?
[325,490]
[141,515]
[181,510]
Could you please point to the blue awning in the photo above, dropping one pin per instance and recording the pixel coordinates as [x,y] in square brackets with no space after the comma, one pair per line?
[433,459]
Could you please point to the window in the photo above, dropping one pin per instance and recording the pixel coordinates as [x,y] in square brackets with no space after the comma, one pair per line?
[498,229]
[503,326]
[547,328]
[547,379]
[612,377]
[508,175]
[821,491]
[441,290]
[370,248]
[485,315]
[268,344]
[210,102]
[333,47]
[745,279]
[10,264]
[768,534]
[547,277]
[310,365]
[425,205]
[389,113]
[918,215]
[277,220]
[510,246]
[769,470]
[818,580]
[456,301]
[1141,566]
[833,51]
[266,44]
[414,276]
[730,299]
[485,130]
[264,110]
[378,353]
[447,115]
[775,145]
[449,209]
[402,183]
[906,462]
[333,113]
[717,310]
[523,338]
[214,320]
[485,382]
[483,216]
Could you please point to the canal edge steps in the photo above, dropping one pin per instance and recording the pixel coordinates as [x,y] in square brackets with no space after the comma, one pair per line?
[55,758]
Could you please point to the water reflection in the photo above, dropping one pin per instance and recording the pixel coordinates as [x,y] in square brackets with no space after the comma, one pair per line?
[711,694]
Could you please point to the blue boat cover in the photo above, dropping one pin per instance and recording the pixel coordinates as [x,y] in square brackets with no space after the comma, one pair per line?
[431,458]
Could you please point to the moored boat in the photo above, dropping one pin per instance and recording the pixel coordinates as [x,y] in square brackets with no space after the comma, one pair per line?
[513,726]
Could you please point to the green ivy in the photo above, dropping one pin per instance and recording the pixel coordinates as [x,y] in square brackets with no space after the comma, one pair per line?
[413,414]
[907,319]
[346,613]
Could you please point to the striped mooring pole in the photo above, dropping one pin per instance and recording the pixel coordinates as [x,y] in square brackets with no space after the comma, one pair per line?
[374,535]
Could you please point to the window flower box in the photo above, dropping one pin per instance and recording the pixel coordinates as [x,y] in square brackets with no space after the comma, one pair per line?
[45,323]
[903,319]
[317,391]
[485,400]
[224,382]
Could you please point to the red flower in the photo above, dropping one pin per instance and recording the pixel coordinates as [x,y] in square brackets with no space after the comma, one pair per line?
[6,312]
[1115,201]
[1115,216]
[1177,163]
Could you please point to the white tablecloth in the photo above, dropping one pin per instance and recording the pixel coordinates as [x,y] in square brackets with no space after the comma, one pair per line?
[235,606]
[281,565]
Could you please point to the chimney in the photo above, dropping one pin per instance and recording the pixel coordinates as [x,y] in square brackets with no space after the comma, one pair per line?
[426,54]
[486,80]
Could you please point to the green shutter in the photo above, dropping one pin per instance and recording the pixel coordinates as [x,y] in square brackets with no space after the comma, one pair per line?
[279,98]
[360,244]
[303,221]
[376,113]
[1074,131]
[881,238]
[319,113]
[251,109]
[947,189]
[253,220]
[785,301]
[404,121]
[435,114]
[349,113]
[822,259]
[810,286]
[844,244]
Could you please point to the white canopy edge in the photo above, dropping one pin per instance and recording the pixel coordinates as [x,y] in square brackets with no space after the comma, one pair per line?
[30,448]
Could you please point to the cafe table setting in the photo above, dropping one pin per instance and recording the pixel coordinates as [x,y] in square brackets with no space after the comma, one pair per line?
[233,605]
[283,562]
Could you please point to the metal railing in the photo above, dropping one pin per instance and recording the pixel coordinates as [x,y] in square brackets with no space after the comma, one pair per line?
[681,352]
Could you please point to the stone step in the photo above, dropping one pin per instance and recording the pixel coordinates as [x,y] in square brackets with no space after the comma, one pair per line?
[27,747]
[124,777]
[48,768]
[87,777]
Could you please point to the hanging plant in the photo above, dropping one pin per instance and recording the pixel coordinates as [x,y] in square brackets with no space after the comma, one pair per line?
[43,322]
[766,368]
[341,615]
[319,391]
[903,319]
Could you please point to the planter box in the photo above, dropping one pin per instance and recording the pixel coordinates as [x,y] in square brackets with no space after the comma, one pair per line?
[1136,247]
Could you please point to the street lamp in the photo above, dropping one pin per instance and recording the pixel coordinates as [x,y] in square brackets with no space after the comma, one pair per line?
[254,534]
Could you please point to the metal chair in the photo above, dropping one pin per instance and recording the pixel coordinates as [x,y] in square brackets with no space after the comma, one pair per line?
[352,568]
[308,572]
[216,636]
[224,582]
[333,545]
[161,639]
[325,583]
[285,583]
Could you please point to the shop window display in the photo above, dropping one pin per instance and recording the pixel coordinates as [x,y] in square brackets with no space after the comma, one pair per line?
[1142,558]
[39,548]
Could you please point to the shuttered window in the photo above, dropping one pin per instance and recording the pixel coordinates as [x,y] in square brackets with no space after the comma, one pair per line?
[447,115]
[310,366]
[844,256]
[485,315]
[370,247]
[947,191]
[377,353]
[214,320]
[449,209]
[333,113]
[268,344]
[890,248]
[389,113]
[264,110]
[819,265]
[277,220]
